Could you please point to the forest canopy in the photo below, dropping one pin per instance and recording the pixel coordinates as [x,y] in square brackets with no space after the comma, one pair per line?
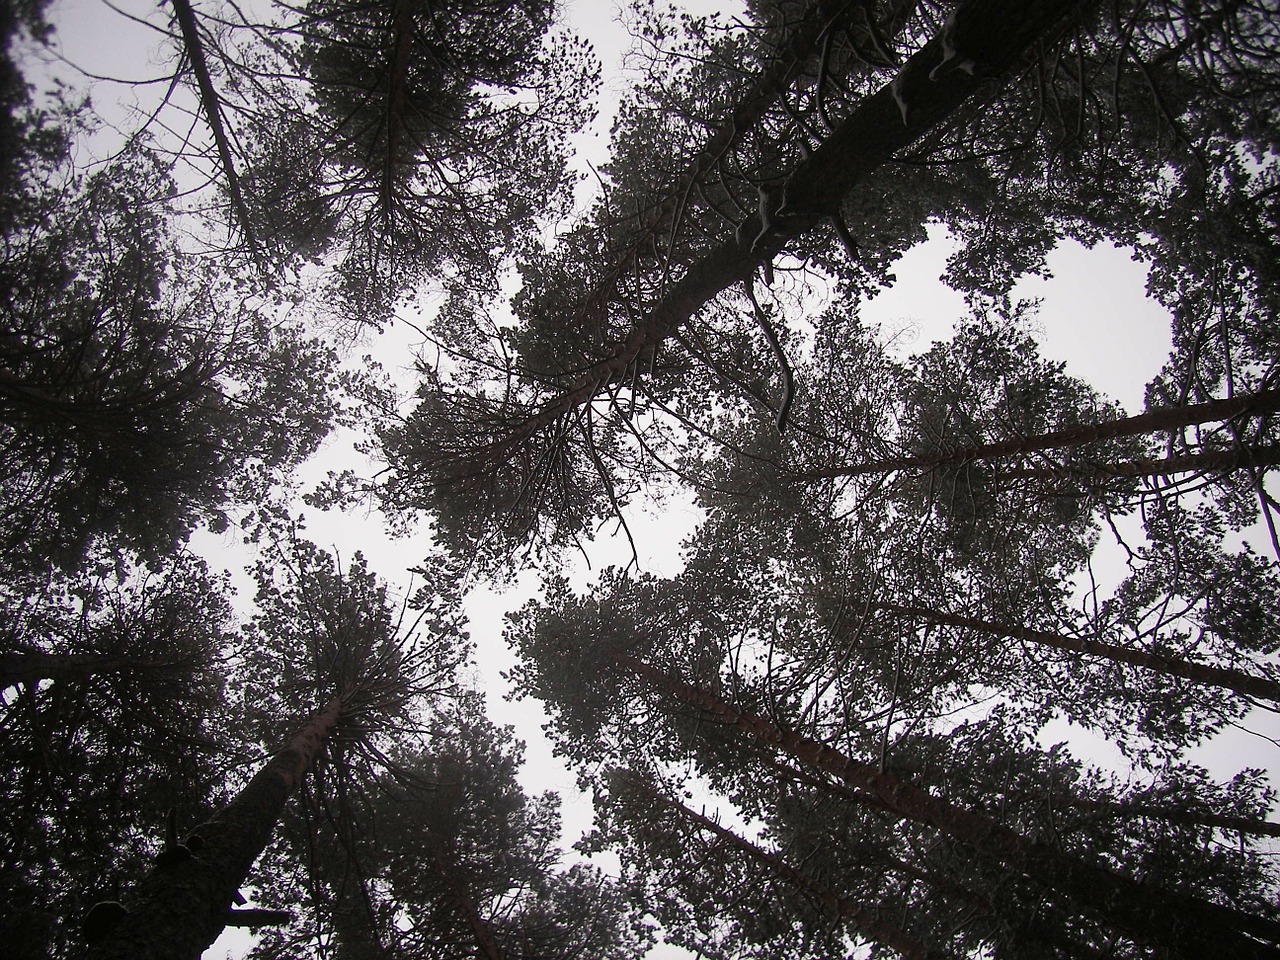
[354,265]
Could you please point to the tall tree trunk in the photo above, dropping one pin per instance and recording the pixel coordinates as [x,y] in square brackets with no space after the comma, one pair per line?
[193,46]
[181,907]
[810,34]
[33,666]
[1165,418]
[1188,927]
[980,906]
[868,139]
[866,920]
[402,35]
[1248,684]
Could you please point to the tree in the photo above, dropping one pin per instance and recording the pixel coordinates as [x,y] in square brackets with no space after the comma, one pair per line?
[336,632]
[537,458]
[452,857]
[503,458]
[632,798]
[894,584]
[112,682]
[404,146]
[133,404]
[593,701]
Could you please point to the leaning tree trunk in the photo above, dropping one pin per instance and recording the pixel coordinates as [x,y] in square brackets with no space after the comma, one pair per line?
[1247,684]
[867,921]
[1164,418]
[184,903]
[1203,461]
[1187,927]
[482,932]
[977,905]
[884,123]
[193,46]
[1135,810]
[809,36]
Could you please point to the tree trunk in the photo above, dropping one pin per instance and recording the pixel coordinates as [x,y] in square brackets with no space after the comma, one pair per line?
[1188,927]
[813,28]
[1165,418]
[980,906]
[866,920]
[192,45]
[181,907]
[402,35]
[1189,818]
[1247,684]
[867,140]
[31,667]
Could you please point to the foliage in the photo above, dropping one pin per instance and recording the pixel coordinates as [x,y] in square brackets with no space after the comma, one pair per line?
[451,856]
[905,569]
[126,721]
[138,400]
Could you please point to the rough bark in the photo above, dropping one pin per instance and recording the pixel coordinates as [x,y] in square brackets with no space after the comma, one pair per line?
[181,907]
[1248,684]
[1187,927]
[866,920]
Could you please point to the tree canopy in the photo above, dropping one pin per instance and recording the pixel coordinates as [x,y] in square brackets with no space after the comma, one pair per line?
[926,678]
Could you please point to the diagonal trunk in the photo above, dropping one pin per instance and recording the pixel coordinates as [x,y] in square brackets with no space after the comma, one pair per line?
[979,906]
[867,140]
[808,37]
[185,14]
[181,907]
[866,920]
[1186,926]
[1143,808]
[1247,684]
[485,941]
[1190,818]
[1165,418]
